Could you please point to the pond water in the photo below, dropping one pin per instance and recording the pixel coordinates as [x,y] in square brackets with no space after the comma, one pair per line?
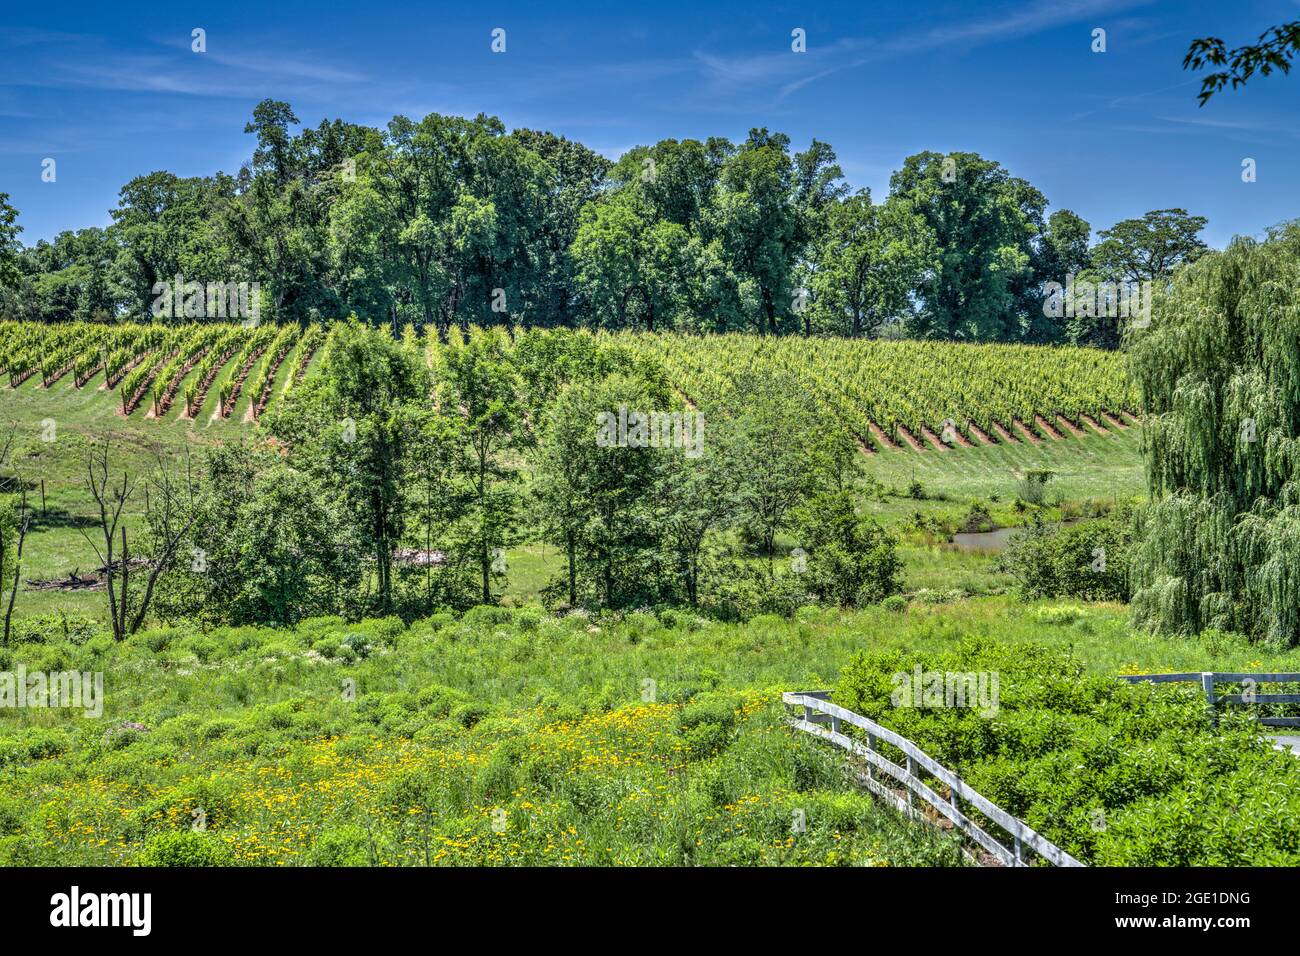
[995,540]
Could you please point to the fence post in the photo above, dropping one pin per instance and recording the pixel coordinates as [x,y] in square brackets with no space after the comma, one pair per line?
[1207,685]
[871,748]
[835,724]
[911,770]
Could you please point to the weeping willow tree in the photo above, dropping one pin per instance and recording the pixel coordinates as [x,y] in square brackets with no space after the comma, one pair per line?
[1219,375]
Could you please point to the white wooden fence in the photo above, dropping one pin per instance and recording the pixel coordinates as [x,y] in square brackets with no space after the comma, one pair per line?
[817,711]
[1208,679]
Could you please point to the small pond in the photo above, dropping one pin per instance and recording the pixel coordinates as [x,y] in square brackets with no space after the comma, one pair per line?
[995,540]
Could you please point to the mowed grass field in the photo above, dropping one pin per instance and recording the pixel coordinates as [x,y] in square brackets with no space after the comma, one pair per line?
[1091,466]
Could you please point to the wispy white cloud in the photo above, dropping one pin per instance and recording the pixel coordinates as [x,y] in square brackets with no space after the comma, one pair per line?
[270,59]
[151,74]
[1009,23]
[730,73]
[1142,98]
[166,66]
[792,73]
[29,36]
[1216,124]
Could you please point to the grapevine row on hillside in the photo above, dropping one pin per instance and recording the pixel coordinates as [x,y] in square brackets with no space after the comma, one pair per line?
[883,392]
[240,367]
[260,392]
[159,362]
[221,351]
[912,386]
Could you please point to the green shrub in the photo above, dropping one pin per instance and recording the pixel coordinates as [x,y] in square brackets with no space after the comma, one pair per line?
[216,728]
[1032,486]
[528,619]
[743,591]
[1086,560]
[49,628]
[486,616]
[851,560]
[1061,746]
[43,744]
[11,814]
[185,848]
[1065,614]
[706,724]
[977,518]
[931,596]
[438,700]
[340,846]
[467,715]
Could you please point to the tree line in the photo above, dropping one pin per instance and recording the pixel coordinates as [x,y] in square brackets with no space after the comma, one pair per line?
[454,221]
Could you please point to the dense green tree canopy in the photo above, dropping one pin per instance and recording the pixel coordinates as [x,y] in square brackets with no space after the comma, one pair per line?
[1220,382]
[870,259]
[1150,247]
[984,222]
[452,221]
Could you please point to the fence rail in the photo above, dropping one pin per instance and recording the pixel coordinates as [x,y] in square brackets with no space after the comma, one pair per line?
[1208,679]
[818,711]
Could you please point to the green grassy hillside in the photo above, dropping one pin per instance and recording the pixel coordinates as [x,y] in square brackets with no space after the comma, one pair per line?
[1087,465]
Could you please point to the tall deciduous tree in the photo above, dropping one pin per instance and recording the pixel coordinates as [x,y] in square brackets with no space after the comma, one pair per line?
[484,385]
[272,545]
[870,259]
[985,222]
[15,519]
[575,176]
[353,425]
[597,497]
[170,511]
[1063,252]
[14,523]
[73,277]
[631,270]
[757,223]
[1149,247]
[695,498]
[10,247]
[282,214]
[780,453]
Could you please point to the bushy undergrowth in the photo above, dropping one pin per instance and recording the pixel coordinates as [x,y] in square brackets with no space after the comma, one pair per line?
[1116,774]
[517,736]
[1087,560]
[452,742]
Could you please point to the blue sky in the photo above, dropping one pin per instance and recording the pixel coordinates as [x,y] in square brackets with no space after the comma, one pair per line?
[112,92]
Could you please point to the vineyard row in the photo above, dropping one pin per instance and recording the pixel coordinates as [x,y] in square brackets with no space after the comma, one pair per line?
[888,395]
